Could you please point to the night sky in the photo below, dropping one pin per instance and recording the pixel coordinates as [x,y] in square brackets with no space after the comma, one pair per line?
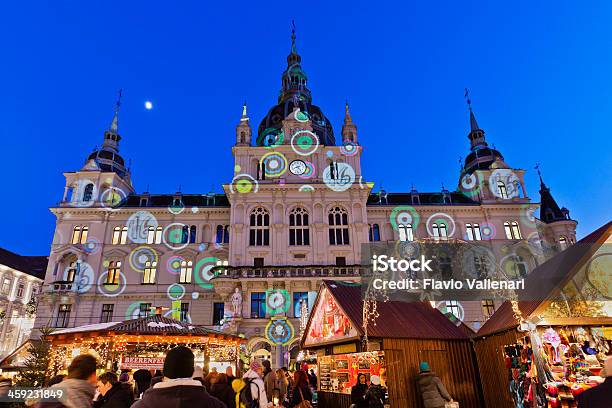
[540,77]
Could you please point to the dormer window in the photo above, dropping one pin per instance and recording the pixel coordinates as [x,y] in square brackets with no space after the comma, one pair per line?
[144,202]
[416,200]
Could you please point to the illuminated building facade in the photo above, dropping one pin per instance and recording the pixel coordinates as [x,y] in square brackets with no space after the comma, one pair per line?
[296,210]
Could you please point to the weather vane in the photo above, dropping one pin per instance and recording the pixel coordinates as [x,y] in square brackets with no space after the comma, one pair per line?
[467,98]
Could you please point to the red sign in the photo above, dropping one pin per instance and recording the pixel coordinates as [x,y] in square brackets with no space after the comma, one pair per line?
[137,363]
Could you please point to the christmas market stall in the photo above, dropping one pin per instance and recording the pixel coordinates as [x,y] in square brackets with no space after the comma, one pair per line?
[142,343]
[390,345]
[543,352]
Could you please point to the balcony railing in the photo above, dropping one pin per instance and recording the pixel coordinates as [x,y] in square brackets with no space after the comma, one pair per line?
[237,272]
[60,286]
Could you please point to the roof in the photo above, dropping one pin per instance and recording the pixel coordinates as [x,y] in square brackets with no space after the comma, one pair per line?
[166,200]
[147,325]
[555,272]
[7,362]
[456,198]
[32,265]
[396,319]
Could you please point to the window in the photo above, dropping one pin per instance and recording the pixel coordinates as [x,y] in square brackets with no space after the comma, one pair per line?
[120,235]
[6,286]
[405,232]
[192,234]
[107,313]
[222,234]
[218,313]
[338,226]
[299,234]
[520,266]
[501,190]
[259,233]
[488,307]
[144,310]
[473,232]
[298,298]
[79,234]
[374,234]
[512,230]
[184,312]
[154,235]
[452,306]
[20,289]
[481,266]
[186,271]
[439,231]
[114,270]
[258,262]
[258,300]
[340,261]
[88,192]
[71,271]
[562,243]
[63,316]
[150,270]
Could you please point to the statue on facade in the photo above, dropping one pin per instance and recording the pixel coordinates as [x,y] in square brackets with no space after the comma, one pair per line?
[237,302]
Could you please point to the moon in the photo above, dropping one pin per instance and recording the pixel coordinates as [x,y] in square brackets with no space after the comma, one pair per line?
[148,105]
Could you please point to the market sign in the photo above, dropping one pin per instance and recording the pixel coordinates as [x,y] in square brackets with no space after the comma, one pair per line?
[146,363]
[329,323]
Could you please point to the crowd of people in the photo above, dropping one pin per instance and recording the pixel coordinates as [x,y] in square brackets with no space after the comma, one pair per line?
[180,384]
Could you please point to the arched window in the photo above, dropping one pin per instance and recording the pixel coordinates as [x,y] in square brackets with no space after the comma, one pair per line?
[299,233]
[124,232]
[71,271]
[76,234]
[88,192]
[374,234]
[439,231]
[338,226]
[222,234]
[472,232]
[186,272]
[114,270]
[519,266]
[501,190]
[79,234]
[150,270]
[185,234]
[512,230]
[405,232]
[116,235]
[562,243]
[259,233]
[192,234]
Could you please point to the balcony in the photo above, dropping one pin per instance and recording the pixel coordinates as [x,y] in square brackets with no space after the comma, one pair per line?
[238,272]
[59,286]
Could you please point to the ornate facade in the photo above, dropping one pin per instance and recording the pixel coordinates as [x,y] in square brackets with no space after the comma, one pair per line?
[297,210]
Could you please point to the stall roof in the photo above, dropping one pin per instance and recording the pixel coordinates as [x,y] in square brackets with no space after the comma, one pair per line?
[556,272]
[396,319]
[147,325]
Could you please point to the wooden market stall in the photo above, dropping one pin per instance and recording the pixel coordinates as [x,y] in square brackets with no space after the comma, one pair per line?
[550,347]
[142,343]
[405,334]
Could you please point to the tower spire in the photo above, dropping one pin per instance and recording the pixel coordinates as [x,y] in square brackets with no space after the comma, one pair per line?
[537,167]
[114,127]
[476,135]
[244,112]
[347,113]
[293,50]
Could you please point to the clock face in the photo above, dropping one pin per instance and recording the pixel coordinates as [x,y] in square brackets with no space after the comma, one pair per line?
[297,167]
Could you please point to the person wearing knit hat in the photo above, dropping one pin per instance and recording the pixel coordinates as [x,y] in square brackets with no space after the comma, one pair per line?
[600,395]
[430,387]
[375,396]
[177,387]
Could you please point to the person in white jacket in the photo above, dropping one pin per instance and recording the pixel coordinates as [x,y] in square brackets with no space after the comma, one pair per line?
[255,374]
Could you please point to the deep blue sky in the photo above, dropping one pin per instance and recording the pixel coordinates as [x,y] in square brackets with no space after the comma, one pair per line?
[540,77]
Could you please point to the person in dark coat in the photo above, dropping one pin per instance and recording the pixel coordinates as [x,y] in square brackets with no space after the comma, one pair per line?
[430,387]
[301,389]
[178,389]
[113,394]
[375,395]
[312,379]
[599,396]
[142,380]
[223,391]
[358,392]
